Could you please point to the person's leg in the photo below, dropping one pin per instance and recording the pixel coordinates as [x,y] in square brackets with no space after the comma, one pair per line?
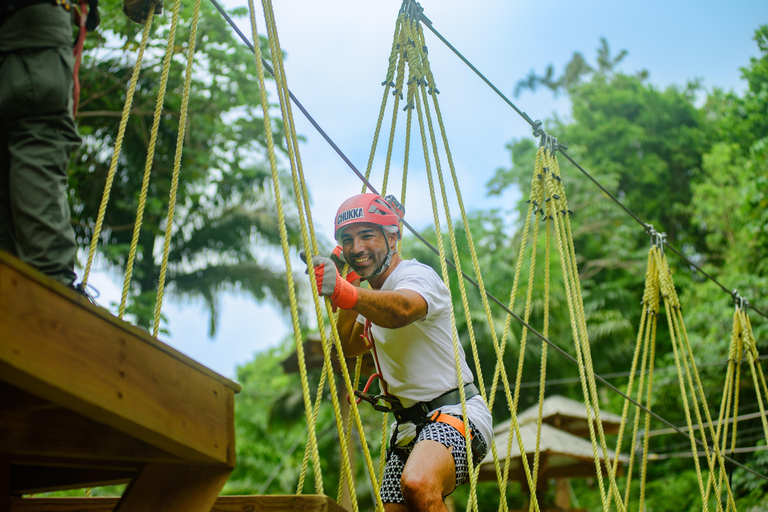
[41,139]
[391,493]
[7,242]
[437,464]
[429,475]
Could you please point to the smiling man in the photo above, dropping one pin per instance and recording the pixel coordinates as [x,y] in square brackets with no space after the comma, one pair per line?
[404,318]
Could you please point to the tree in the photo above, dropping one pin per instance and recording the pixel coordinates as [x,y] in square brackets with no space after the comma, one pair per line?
[225,206]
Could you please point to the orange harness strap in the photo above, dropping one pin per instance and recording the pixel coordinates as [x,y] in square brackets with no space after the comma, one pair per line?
[452,421]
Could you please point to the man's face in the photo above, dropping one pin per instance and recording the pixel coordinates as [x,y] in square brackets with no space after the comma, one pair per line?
[365,247]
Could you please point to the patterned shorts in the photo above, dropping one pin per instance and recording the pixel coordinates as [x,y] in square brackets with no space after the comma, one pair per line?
[443,434]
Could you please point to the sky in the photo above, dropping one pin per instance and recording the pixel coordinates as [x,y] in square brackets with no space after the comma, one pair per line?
[337,56]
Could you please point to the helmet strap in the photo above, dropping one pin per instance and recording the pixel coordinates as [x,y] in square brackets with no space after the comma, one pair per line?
[387,260]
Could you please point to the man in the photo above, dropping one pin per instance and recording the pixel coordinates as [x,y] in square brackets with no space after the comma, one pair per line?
[405,319]
[37,134]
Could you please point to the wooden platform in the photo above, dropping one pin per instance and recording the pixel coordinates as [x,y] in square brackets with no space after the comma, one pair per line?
[303,503]
[88,400]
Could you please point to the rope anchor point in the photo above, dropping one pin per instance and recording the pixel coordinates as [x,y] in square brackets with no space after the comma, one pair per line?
[658,239]
[739,301]
[413,10]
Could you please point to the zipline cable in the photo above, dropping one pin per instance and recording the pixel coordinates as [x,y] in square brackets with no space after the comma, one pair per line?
[536,333]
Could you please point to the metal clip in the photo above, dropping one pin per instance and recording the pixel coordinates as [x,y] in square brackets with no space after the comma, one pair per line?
[740,302]
[657,239]
[548,141]
[391,403]
[414,11]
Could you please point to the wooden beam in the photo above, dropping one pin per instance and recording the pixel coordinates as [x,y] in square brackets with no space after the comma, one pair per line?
[69,462]
[32,479]
[61,433]
[174,488]
[300,503]
[76,355]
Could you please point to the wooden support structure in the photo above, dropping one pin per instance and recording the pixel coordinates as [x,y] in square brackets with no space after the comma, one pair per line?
[301,503]
[87,400]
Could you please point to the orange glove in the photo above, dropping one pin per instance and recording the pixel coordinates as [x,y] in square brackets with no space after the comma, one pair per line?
[330,283]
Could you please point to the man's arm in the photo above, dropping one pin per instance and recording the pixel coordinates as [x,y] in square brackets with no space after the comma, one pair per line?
[390,308]
[350,332]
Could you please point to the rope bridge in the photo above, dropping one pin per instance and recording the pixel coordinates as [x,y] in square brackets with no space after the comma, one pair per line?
[411,85]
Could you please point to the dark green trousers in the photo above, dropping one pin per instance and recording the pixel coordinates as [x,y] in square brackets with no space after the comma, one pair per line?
[37,137]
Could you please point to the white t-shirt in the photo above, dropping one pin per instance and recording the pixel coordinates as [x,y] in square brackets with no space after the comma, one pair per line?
[417,361]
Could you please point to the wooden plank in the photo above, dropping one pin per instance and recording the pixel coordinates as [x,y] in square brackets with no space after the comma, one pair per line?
[32,479]
[69,462]
[62,433]
[54,286]
[174,488]
[60,351]
[300,503]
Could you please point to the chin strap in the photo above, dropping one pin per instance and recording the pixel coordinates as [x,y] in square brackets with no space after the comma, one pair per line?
[387,260]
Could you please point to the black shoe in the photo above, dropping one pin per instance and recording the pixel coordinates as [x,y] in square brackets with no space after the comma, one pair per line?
[81,289]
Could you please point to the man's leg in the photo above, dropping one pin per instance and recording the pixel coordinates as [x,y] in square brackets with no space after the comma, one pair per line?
[429,475]
[40,144]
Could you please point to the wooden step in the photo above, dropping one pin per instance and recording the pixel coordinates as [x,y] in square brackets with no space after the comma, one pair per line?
[299,503]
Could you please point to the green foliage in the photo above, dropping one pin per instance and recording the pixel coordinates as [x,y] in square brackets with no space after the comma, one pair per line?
[225,206]
[575,71]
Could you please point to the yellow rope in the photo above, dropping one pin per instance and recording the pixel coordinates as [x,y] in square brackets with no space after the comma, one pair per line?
[310,416]
[313,412]
[646,342]
[578,326]
[686,371]
[176,165]
[388,83]
[307,229]
[118,146]
[169,50]
[758,377]
[730,394]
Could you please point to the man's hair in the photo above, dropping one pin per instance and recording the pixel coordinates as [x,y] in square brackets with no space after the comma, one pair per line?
[390,229]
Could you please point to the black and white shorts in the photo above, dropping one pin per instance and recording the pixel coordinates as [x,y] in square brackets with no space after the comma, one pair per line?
[437,431]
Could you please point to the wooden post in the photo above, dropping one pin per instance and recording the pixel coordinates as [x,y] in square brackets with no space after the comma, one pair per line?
[562,496]
[174,488]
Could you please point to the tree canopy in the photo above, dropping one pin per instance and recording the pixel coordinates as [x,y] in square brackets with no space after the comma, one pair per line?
[224,223]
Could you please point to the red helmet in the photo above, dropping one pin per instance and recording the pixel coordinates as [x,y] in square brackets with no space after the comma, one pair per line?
[370,208]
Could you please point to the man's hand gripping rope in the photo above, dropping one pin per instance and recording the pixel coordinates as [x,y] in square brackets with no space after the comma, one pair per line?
[330,284]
